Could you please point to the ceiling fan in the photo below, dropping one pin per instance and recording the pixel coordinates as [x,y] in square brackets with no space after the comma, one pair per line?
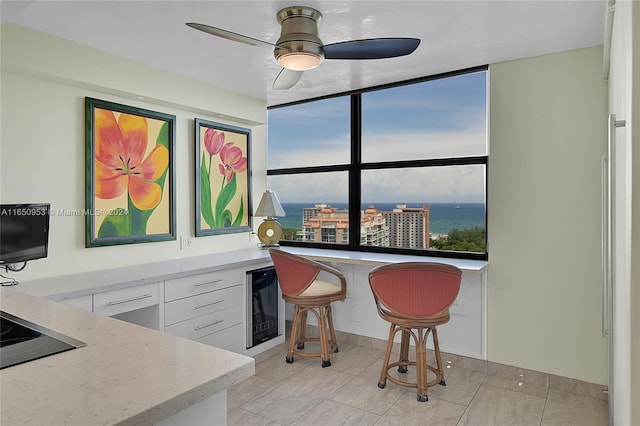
[300,49]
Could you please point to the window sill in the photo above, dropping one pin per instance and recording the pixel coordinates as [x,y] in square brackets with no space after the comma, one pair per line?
[365,258]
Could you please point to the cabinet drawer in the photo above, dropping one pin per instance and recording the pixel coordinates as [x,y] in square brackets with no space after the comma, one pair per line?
[198,327]
[197,284]
[230,339]
[190,307]
[126,299]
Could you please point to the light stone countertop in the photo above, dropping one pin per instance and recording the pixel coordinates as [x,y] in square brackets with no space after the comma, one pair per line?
[369,258]
[127,374]
[85,283]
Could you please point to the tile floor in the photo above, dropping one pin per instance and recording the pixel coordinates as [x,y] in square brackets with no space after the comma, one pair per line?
[477,393]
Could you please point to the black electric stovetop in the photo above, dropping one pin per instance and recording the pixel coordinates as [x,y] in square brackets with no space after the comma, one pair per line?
[22,341]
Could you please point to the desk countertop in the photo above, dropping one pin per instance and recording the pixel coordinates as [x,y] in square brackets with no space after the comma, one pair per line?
[367,258]
[126,374]
[83,283]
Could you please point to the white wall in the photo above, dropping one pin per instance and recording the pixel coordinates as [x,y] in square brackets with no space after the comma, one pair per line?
[42,157]
[547,136]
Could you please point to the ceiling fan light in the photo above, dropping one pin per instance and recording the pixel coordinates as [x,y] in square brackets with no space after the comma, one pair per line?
[299,61]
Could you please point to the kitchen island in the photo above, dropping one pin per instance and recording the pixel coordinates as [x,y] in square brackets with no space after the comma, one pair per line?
[126,374]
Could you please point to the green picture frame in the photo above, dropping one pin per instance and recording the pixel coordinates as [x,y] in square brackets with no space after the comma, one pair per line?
[222,178]
[130,174]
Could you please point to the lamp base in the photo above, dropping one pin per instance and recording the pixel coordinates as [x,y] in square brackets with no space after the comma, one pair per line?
[270,232]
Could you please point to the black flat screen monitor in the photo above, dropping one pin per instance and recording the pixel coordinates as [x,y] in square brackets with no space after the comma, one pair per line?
[24,232]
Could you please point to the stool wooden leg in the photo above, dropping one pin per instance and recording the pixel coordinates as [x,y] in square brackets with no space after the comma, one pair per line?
[324,341]
[436,348]
[294,333]
[385,363]
[404,352]
[333,343]
[421,366]
[303,329]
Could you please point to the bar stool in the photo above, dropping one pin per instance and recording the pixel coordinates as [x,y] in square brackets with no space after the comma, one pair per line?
[298,279]
[414,296]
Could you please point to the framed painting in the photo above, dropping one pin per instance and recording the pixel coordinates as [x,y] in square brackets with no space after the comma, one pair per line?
[223,204]
[130,161]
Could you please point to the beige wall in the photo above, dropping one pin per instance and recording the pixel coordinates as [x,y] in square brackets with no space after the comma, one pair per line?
[44,83]
[547,136]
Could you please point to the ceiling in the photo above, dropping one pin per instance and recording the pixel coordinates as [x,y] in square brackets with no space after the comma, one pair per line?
[455,35]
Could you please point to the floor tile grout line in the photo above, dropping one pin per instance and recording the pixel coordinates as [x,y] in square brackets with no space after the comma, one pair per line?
[475,393]
[358,408]
[544,408]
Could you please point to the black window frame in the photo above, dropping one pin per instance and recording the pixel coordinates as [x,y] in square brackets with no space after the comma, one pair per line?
[356,166]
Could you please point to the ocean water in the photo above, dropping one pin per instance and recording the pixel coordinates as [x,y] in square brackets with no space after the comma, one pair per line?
[443,216]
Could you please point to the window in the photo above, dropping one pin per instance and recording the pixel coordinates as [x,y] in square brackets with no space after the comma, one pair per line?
[400,168]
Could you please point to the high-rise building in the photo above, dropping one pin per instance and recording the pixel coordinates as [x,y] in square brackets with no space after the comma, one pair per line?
[325,224]
[408,226]
[403,227]
[373,229]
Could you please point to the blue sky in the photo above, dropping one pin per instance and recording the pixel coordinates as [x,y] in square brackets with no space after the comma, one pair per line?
[435,119]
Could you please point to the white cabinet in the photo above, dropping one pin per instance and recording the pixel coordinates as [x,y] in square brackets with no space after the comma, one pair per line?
[206,303]
[230,338]
[198,284]
[137,305]
[207,308]
[127,299]
[195,328]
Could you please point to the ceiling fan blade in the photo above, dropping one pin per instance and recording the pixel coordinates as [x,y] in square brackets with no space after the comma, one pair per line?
[229,35]
[286,79]
[373,48]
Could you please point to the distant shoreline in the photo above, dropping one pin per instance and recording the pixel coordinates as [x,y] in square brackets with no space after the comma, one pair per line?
[443,216]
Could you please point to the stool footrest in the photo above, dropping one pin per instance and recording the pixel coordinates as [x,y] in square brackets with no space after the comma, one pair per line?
[327,338]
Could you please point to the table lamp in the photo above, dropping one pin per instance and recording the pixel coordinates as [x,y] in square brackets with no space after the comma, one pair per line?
[269,231]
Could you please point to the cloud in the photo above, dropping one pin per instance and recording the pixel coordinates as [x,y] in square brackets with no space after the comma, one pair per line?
[455,184]
[321,153]
[423,145]
[311,187]
[383,147]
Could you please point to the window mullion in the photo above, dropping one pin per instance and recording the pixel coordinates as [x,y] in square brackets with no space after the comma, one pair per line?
[354,172]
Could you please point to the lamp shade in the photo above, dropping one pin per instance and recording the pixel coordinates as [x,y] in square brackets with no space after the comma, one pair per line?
[269,205]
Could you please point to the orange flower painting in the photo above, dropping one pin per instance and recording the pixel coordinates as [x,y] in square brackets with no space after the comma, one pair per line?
[129,190]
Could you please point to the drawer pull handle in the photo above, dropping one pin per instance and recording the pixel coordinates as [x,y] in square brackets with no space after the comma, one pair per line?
[131,299]
[200,327]
[217,280]
[209,304]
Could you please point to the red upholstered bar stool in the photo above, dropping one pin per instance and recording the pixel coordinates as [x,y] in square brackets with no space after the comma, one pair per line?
[415,298]
[298,278]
